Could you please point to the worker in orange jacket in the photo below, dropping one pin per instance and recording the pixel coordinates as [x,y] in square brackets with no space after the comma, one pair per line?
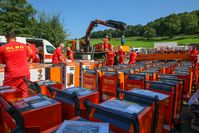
[195,54]
[70,54]
[105,43]
[132,57]
[121,55]
[32,47]
[189,51]
[58,56]
[110,56]
[15,56]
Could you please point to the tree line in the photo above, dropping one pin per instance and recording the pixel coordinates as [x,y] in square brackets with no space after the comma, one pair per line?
[20,16]
[172,25]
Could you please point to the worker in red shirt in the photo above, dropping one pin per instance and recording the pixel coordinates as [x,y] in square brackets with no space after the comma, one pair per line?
[132,57]
[175,50]
[106,43]
[58,56]
[165,50]
[37,58]
[195,54]
[182,51]
[110,56]
[14,55]
[32,48]
[121,55]
[189,51]
[70,54]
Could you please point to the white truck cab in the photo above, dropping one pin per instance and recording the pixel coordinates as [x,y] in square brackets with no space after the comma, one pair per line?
[46,47]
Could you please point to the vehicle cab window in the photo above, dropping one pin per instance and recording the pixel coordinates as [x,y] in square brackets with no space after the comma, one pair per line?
[50,49]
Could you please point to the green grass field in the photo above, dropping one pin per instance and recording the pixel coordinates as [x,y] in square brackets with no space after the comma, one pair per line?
[140,42]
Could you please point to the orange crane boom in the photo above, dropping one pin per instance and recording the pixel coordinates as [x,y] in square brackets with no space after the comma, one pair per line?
[109,23]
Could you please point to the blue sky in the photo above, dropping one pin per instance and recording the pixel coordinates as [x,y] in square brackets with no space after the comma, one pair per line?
[77,14]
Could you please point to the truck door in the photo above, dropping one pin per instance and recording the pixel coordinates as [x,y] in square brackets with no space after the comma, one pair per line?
[48,51]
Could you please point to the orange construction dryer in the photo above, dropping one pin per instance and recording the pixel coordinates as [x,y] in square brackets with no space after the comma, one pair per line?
[110,82]
[171,105]
[134,81]
[91,79]
[159,105]
[68,74]
[54,73]
[84,65]
[33,114]
[10,94]
[179,97]
[133,116]
[72,100]
[187,82]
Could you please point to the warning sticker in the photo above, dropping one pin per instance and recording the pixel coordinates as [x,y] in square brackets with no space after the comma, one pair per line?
[41,104]
[22,104]
[31,98]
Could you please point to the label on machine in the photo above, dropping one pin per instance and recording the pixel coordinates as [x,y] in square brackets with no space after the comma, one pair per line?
[124,106]
[37,74]
[149,93]
[83,127]
[46,82]
[79,91]
[34,102]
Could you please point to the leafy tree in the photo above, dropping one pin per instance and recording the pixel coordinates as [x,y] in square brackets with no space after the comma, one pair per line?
[189,23]
[19,16]
[157,26]
[149,32]
[16,15]
[171,25]
[51,28]
[138,30]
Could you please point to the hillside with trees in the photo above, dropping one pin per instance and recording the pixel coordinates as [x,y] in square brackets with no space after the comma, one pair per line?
[20,17]
[173,25]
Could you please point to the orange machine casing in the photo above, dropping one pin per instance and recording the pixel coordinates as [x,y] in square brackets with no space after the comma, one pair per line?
[43,86]
[36,119]
[72,101]
[66,73]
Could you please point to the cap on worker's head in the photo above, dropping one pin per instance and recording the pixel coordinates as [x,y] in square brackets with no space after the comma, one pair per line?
[121,48]
[106,36]
[10,34]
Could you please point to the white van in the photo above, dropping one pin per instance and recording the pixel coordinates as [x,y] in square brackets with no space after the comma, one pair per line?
[45,45]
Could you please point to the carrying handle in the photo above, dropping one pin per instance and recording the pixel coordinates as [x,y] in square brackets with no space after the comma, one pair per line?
[63,94]
[34,86]
[154,99]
